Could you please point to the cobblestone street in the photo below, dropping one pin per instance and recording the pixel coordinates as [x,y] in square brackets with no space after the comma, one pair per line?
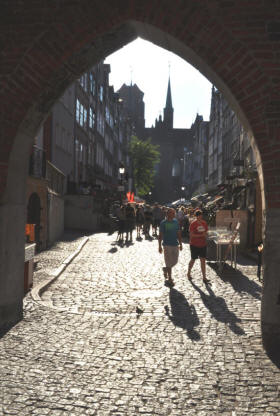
[108,338]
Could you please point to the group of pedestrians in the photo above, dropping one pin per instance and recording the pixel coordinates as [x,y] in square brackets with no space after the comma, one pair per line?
[144,218]
[167,225]
[170,242]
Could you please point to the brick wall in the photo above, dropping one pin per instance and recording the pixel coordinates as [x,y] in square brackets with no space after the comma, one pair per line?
[46,48]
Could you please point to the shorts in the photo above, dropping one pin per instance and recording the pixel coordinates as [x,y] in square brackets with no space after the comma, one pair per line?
[171,255]
[198,252]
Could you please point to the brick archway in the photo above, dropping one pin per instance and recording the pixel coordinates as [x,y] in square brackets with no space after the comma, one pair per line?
[234,44]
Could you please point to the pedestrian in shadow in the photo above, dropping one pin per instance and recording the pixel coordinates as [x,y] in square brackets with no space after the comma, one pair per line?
[182,314]
[219,310]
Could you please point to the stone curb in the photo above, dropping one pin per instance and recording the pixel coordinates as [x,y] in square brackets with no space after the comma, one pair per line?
[39,289]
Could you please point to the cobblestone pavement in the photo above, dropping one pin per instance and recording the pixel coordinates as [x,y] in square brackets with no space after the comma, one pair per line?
[85,350]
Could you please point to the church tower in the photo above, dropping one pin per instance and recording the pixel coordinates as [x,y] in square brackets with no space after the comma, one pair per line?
[168,110]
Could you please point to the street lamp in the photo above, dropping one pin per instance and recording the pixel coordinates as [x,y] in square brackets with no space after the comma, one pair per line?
[121,186]
[121,170]
[183,189]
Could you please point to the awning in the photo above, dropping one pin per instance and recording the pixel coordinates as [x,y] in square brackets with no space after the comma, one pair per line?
[214,201]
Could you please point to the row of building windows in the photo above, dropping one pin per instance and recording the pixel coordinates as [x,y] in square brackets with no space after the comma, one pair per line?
[81,117]
[92,85]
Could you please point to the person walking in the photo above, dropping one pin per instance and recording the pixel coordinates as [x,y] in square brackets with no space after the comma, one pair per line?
[139,220]
[158,216]
[148,219]
[120,214]
[198,244]
[170,237]
[130,221]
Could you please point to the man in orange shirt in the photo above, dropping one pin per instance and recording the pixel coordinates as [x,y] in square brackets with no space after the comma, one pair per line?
[198,244]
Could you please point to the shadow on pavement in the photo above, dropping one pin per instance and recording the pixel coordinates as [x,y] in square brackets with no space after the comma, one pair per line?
[183,314]
[219,309]
[73,234]
[238,280]
[243,260]
[113,250]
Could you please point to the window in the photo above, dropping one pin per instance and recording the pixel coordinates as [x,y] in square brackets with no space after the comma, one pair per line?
[83,81]
[100,124]
[101,92]
[81,114]
[91,118]
[85,117]
[81,152]
[91,83]
[107,115]
[78,110]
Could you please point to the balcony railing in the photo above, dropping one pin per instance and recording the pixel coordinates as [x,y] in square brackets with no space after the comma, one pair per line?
[56,178]
[37,162]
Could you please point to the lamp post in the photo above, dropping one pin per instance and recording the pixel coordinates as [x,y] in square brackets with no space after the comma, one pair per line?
[121,186]
[183,191]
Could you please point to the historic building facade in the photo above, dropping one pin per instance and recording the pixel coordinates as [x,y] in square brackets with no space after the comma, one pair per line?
[171,142]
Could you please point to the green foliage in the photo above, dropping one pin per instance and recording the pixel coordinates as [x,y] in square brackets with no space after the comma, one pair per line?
[144,157]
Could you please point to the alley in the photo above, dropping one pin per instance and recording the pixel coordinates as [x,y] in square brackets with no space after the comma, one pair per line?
[108,338]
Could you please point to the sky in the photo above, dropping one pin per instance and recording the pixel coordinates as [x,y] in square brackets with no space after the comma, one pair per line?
[148,66]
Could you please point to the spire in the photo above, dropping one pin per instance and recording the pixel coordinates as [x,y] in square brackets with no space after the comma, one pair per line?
[168,96]
[168,110]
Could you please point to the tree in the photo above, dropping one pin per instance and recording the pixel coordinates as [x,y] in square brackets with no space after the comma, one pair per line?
[144,156]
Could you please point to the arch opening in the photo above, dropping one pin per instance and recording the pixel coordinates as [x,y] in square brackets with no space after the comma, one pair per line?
[15,166]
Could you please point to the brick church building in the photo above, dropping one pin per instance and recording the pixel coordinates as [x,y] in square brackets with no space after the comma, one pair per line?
[171,142]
